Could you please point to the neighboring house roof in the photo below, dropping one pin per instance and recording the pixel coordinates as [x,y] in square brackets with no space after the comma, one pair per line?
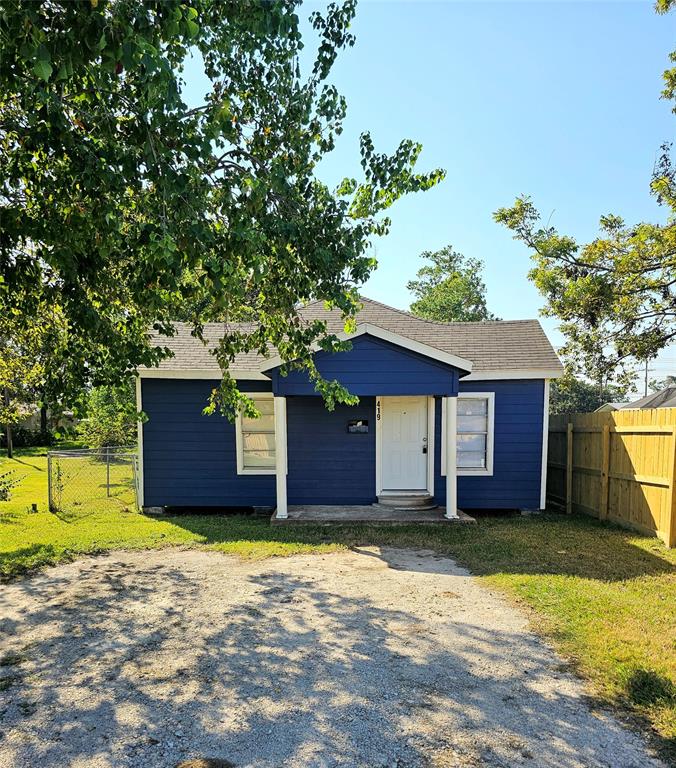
[495,348]
[665,398]
[610,407]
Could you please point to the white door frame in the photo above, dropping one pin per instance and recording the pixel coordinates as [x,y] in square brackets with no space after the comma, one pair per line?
[430,442]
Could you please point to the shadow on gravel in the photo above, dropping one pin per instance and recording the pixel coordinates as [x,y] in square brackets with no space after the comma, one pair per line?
[291,674]
[570,545]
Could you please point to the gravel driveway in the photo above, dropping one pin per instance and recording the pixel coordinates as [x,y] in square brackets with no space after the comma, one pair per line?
[366,658]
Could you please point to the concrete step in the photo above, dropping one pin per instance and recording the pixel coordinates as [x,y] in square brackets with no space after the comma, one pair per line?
[402,508]
[406,500]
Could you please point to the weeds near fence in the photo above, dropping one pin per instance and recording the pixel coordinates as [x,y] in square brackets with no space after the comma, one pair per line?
[83,482]
[8,480]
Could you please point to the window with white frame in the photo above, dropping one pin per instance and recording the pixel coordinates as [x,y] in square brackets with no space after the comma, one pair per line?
[256,438]
[475,426]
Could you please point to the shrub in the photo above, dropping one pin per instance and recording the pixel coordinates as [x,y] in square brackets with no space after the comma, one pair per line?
[28,438]
[111,417]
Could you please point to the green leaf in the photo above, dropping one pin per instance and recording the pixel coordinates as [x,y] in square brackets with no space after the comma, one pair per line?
[43,69]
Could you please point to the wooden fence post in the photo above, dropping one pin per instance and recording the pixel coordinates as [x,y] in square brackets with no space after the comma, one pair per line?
[569,469]
[670,532]
[605,472]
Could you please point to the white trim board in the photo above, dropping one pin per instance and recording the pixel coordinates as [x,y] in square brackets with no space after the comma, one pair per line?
[199,373]
[394,338]
[545,446]
[215,374]
[515,373]
[379,446]
[490,436]
[431,408]
[241,375]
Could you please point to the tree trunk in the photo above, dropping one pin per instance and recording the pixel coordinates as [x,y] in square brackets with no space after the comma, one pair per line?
[43,418]
[8,428]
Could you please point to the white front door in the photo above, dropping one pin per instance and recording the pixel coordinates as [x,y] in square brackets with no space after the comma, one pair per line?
[404,443]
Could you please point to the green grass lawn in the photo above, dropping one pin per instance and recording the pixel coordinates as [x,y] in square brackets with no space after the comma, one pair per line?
[604,596]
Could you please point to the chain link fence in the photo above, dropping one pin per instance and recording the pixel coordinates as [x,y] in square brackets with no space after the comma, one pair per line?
[84,481]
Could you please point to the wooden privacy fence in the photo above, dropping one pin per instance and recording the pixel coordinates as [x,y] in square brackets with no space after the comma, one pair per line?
[618,465]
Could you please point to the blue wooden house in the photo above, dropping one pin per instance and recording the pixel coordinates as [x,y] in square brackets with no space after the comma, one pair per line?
[453,414]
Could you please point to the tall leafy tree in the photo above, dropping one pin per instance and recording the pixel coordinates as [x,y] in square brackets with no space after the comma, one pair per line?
[656,385]
[450,288]
[28,371]
[110,416]
[572,394]
[615,296]
[121,204]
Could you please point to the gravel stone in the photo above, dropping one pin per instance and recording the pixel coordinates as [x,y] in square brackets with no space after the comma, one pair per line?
[352,660]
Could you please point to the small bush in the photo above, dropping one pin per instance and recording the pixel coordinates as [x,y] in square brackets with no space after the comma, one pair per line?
[28,438]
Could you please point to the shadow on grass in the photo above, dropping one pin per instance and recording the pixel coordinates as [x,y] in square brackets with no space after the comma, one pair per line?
[647,688]
[647,691]
[546,544]
[10,518]
[26,559]
[35,467]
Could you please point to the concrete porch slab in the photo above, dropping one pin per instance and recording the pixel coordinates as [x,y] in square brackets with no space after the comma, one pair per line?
[372,514]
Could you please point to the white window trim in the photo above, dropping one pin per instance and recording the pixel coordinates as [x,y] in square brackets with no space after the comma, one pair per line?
[490,437]
[239,440]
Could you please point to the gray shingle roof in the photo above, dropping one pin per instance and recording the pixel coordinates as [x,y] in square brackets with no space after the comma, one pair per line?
[665,398]
[493,346]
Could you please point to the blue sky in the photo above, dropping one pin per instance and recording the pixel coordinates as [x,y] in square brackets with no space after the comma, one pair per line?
[560,101]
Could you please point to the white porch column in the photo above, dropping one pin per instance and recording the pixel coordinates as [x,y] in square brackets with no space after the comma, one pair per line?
[451,451]
[280,455]
[139,444]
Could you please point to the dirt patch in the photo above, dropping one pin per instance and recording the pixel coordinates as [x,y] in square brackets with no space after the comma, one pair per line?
[369,658]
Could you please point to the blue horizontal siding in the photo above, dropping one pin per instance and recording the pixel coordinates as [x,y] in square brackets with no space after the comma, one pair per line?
[190,459]
[517,449]
[373,367]
[326,464]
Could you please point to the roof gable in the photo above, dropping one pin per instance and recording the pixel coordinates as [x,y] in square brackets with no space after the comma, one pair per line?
[393,338]
[373,366]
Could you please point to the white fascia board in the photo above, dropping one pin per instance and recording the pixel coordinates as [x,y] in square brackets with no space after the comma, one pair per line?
[525,373]
[394,338]
[199,373]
